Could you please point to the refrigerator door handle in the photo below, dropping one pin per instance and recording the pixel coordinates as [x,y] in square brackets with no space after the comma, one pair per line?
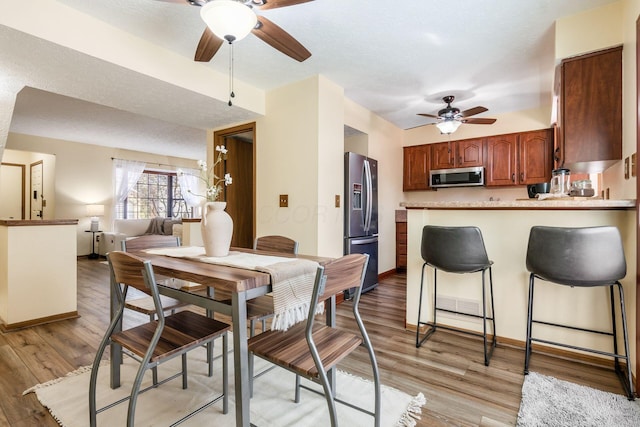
[364,241]
[369,187]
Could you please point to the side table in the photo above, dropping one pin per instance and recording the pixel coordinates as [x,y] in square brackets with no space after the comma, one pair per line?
[93,254]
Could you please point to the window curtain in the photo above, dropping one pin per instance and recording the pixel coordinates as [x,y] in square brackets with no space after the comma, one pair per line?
[189,182]
[125,176]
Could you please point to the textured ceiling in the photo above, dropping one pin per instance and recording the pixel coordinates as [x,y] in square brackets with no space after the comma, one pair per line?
[396,58]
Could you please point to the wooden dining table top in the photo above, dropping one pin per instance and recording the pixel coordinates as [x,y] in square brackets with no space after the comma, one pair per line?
[220,277]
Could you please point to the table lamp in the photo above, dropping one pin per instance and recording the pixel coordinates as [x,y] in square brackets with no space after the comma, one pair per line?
[94,211]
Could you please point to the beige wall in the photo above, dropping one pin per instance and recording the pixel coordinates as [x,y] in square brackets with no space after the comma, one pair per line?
[83,175]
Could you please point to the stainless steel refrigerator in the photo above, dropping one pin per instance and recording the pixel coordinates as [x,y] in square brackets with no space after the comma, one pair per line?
[361,213]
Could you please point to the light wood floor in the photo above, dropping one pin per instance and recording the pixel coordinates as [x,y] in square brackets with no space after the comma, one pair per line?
[448,369]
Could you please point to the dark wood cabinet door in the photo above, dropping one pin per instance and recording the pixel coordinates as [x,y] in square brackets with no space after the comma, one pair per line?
[535,156]
[416,168]
[591,110]
[442,155]
[500,168]
[469,153]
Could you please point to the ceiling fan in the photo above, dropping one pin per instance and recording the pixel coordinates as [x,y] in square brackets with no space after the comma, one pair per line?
[260,26]
[449,118]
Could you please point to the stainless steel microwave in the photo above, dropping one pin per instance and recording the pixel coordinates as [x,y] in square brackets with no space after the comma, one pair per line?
[457,177]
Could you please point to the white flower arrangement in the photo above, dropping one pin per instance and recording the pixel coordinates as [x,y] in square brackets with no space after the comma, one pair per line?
[212,181]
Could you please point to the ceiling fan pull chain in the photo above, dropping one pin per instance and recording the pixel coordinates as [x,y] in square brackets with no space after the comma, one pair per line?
[231,93]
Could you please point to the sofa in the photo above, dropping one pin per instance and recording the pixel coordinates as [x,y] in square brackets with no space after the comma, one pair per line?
[129,228]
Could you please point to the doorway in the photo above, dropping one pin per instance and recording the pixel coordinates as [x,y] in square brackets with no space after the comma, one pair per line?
[12,188]
[240,196]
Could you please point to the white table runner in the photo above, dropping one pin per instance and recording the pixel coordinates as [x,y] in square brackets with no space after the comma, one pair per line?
[292,279]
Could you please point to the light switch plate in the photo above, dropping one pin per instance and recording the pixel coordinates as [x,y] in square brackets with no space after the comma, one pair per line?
[284,200]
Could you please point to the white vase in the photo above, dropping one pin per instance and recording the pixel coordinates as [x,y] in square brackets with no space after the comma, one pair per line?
[217,229]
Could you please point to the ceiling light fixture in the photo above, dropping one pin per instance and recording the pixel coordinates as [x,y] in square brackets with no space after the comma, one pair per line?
[230,20]
[448,126]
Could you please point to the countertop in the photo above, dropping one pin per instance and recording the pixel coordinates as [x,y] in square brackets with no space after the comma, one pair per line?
[573,203]
[37,222]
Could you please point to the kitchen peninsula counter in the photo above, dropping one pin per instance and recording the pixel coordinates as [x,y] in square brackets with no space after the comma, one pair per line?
[528,204]
[505,227]
[38,271]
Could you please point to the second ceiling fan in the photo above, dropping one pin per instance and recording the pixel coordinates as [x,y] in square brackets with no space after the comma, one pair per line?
[449,118]
[262,28]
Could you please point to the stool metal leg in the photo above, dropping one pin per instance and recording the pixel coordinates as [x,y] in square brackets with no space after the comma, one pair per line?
[527,351]
[627,382]
[418,323]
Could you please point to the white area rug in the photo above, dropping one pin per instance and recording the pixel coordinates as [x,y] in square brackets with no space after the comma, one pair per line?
[272,405]
[548,401]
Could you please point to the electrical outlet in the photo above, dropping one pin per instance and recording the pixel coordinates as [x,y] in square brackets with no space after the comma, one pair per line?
[284,200]
[337,200]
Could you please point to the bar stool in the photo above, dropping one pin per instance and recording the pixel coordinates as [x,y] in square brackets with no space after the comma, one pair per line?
[456,250]
[579,257]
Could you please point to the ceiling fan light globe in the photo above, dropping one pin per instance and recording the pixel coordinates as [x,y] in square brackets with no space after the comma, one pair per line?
[448,126]
[228,19]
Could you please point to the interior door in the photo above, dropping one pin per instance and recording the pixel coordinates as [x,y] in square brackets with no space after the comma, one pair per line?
[12,187]
[37,198]
[240,195]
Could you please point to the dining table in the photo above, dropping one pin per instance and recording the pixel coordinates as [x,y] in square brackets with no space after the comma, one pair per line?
[242,284]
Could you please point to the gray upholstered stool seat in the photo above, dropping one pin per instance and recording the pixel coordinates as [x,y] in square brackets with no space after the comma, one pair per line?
[579,257]
[456,250]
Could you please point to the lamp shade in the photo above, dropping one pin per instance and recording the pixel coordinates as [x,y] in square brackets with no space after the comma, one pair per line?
[95,210]
[448,126]
[228,19]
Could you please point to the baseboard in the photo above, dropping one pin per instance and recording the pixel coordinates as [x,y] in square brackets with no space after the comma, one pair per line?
[41,321]
[536,348]
[386,274]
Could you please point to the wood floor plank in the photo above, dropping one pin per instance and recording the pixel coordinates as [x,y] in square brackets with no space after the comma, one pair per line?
[448,369]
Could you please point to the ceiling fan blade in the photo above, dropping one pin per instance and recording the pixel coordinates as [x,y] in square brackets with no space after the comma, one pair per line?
[207,46]
[273,4]
[278,38]
[479,121]
[473,111]
[428,115]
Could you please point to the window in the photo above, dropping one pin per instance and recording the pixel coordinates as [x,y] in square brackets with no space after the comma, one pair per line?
[156,194]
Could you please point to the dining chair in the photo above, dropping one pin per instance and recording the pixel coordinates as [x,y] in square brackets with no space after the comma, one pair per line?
[310,349]
[580,257]
[157,341]
[457,250]
[144,304]
[260,309]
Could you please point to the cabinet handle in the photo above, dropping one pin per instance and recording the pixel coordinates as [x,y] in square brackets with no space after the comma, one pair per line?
[513,177]
[460,160]
[556,154]
[521,176]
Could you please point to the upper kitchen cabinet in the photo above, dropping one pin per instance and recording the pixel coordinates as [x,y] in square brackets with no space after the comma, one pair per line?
[416,167]
[589,122]
[457,154]
[519,158]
